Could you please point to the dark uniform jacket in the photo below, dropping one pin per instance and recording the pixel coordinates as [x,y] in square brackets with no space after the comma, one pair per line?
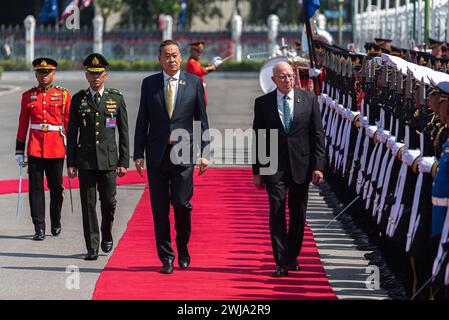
[91,142]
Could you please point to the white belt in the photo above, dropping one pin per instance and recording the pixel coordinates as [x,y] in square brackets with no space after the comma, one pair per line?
[360,178]
[356,155]
[369,170]
[414,219]
[386,183]
[380,181]
[374,175]
[346,149]
[396,209]
[45,127]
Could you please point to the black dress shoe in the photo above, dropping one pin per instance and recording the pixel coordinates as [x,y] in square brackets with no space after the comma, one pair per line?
[294,266]
[92,254]
[184,262]
[280,271]
[39,235]
[56,231]
[107,246]
[167,267]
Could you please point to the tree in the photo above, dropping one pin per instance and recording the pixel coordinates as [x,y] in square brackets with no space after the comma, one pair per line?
[146,12]
[287,10]
[108,7]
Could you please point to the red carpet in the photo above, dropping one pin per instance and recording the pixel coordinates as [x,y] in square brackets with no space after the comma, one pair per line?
[230,249]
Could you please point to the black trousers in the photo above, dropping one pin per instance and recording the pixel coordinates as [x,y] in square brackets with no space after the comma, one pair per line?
[53,171]
[105,182]
[171,184]
[287,244]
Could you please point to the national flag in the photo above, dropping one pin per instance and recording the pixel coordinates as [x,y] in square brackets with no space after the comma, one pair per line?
[70,5]
[311,6]
[49,11]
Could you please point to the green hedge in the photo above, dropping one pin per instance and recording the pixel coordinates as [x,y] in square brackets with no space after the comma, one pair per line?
[136,65]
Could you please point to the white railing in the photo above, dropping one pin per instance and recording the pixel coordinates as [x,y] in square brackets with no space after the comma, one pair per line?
[372,19]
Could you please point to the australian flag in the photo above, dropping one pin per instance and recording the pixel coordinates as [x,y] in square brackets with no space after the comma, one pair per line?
[48,12]
[311,6]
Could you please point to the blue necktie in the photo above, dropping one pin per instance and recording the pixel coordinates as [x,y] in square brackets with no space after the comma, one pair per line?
[287,115]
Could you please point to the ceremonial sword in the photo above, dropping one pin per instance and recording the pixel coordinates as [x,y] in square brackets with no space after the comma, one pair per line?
[21,165]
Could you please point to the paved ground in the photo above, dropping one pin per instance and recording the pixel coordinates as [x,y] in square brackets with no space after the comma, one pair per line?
[38,270]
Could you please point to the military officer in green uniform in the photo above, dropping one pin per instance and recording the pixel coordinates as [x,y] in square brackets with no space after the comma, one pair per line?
[96,114]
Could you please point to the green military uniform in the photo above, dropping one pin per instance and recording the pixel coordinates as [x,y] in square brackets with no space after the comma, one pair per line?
[92,149]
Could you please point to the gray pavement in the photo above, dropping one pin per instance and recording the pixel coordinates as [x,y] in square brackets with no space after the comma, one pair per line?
[38,270]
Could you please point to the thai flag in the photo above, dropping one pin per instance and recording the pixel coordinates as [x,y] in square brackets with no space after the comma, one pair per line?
[70,4]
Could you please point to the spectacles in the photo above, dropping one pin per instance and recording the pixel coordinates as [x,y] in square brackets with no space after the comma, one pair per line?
[284,77]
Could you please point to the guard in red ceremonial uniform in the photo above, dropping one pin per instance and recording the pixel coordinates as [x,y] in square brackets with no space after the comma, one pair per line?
[193,64]
[45,112]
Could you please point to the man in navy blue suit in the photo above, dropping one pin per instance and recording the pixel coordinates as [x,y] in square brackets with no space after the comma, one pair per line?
[295,115]
[170,101]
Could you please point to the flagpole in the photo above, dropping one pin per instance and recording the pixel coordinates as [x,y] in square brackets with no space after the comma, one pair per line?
[312,55]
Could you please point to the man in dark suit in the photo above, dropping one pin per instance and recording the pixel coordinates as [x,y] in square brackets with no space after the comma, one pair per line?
[169,103]
[97,114]
[295,115]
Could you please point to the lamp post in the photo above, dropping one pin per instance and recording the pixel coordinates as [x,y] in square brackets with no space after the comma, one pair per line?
[427,21]
[340,21]
[30,27]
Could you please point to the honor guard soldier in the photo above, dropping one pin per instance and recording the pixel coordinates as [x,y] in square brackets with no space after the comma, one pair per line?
[437,47]
[96,115]
[194,66]
[44,110]
[385,44]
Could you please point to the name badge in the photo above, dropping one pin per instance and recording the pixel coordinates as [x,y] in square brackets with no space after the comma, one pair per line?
[55,98]
[111,123]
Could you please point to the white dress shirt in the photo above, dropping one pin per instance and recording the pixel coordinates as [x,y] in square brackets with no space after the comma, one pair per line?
[175,83]
[92,92]
[280,103]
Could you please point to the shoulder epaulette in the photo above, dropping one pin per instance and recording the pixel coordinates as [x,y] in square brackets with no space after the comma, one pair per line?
[61,88]
[111,90]
[33,88]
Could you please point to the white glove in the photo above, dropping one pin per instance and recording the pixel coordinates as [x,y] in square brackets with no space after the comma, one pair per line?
[314,72]
[370,131]
[340,109]
[425,164]
[328,101]
[352,115]
[396,147]
[217,61]
[410,155]
[390,142]
[364,122]
[21,159]
[382,135]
